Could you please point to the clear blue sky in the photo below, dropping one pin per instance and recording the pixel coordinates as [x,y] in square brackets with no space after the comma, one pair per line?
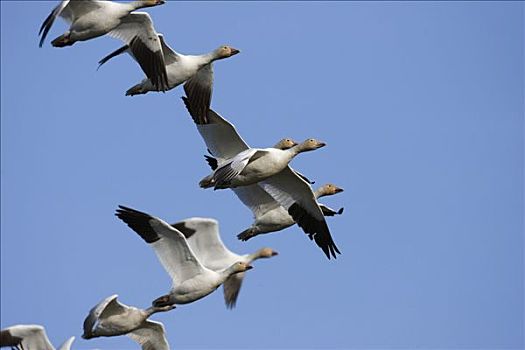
[421,105]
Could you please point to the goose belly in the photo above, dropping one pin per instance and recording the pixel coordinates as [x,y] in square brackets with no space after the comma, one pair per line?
[259,169]
[93,25]
[179,73]
[194,289]
[118,324]
[274,220]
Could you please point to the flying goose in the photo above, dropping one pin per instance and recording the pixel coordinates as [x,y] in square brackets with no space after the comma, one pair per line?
[269,215]
[191,279]
[287,188]
[111,318]
[29,337]
[202,235]
[254,165]
[89,19]
[196,71]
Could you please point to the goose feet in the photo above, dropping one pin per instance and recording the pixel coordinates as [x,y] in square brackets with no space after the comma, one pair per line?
[62,41]
[162,301]
[246,234]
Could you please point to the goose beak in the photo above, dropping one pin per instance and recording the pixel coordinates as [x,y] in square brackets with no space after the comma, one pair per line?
[321,144]
[249,267]
[161,2]
[234,51]
[274,253]
[339,190]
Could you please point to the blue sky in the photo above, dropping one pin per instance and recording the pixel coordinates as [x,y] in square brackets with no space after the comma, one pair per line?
[422,108]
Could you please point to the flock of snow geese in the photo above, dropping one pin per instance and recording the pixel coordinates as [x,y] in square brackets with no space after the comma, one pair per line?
[191,251]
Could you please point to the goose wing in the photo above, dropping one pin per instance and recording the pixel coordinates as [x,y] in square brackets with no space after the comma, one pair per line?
[327,211]
[151,336]
[256,199]
[69,10]
[231,289]
[169,244]
[226,172]
[202,235]
[170,56]
[219,135]
[107,307]
[67,344]
[296,196]
[33,337]
[50,19]
[198,89]
[137,31]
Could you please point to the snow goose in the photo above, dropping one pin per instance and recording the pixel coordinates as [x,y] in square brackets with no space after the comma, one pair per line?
[29,337]
[89,19]
[204,240]
[294,194]
[269,215]
[111,318]
[191,279]
[195,70]
[254,165]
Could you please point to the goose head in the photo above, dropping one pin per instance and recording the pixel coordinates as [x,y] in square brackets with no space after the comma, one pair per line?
[310,145]
[329,190]
[266,253]
[239,267]
[285,144]
[225,51]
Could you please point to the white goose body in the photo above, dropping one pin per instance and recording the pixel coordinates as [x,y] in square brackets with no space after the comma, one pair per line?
[272,218]
[197,70]
[191,279]
[255,165]
[111,318]
[202,235]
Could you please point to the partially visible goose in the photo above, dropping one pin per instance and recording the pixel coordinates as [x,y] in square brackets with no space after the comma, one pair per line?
[191,279]
[111,318]
[204,240]
[29,337]
[196,71]
[289,189]
[269,215]
[89,19]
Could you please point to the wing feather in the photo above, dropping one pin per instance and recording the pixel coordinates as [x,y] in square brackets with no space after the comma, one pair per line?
[202,235]
[231,289]
[296,195]
[198,90]
[137,31]
[151,336]
[169,244]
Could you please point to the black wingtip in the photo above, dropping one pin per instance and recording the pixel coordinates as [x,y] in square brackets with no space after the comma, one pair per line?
[340,211]
[138,222]
[212,162]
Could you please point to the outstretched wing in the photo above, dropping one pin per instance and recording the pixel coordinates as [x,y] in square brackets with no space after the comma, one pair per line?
[220,136]
[202,235]
[137,31]
[169,244]
[198,90]
[151,336]
[294,194]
